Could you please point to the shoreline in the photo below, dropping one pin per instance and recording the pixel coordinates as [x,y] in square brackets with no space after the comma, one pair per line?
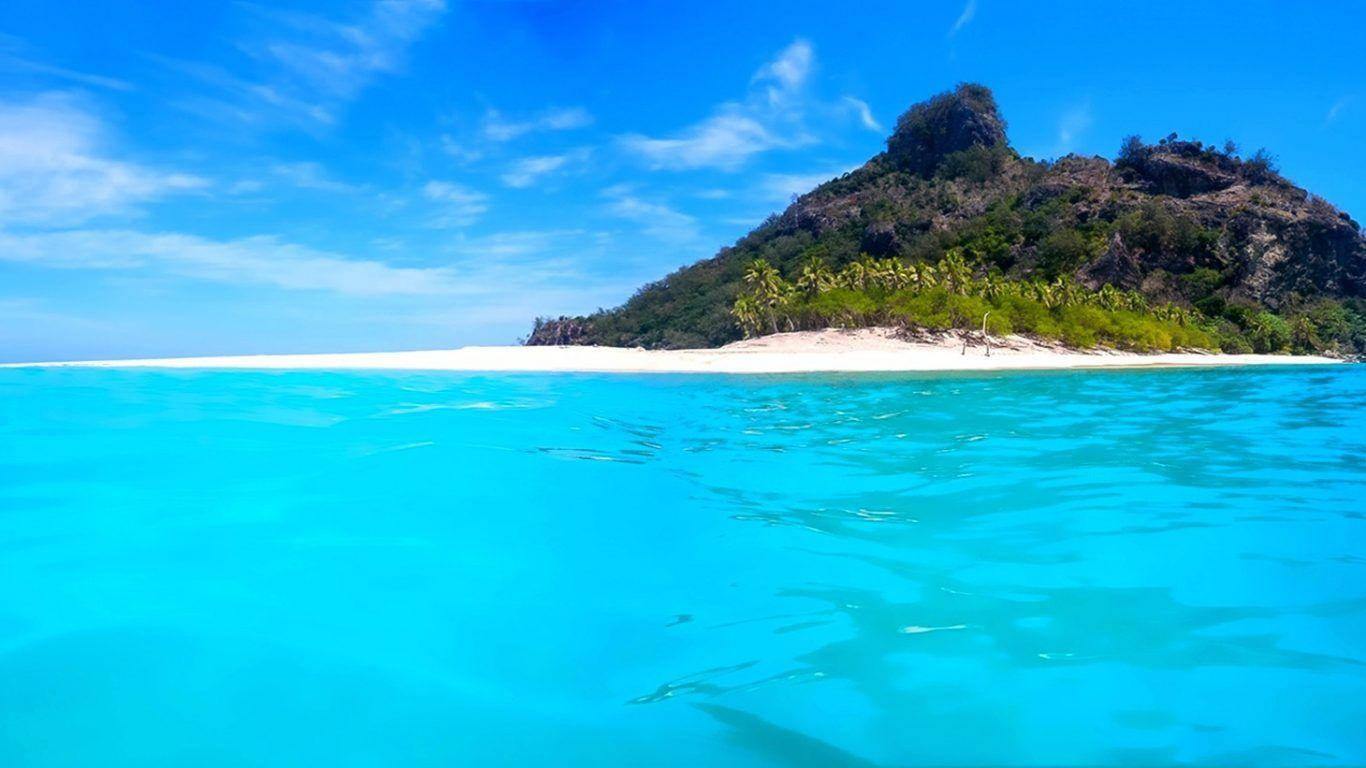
[830,351]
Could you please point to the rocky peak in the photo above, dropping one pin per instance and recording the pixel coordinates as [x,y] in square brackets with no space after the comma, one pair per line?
[953,121]
[1185,168]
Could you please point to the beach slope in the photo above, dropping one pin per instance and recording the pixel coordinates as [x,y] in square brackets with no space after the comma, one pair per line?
[869,349]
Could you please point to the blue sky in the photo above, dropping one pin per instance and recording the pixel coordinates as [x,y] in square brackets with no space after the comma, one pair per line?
[217,178]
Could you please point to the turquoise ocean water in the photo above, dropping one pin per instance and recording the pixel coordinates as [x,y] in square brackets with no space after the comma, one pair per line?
[423,569]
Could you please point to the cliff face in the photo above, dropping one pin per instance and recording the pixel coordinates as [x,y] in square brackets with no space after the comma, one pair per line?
[1180,221]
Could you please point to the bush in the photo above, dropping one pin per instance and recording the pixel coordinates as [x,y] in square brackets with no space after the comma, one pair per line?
[976,163]
[1063,251]
[1269,333]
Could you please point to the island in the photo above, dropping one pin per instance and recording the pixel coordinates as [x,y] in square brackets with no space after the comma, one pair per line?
[1177,246]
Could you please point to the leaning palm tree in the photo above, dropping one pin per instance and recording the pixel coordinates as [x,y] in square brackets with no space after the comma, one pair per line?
[763,280]
[771,293]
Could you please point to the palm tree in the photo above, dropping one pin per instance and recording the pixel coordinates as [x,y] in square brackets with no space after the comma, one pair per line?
[993,287]
[815,277]
[769,290]
[921,275]
[1109,297]
[1049,295]
[894,274]
[854,276]
[1135,301]
[1067,290]
[746,312]
[954,273]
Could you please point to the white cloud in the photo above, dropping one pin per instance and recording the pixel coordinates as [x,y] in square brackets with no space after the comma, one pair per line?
[863,112]
[787,73]
[498,127]
[503,277]
[769,118]
[309,175]
[964,18]
[724,141]
[261,260]
[528,170]
[459,205]
[308,67]
[655,219]
[53,170]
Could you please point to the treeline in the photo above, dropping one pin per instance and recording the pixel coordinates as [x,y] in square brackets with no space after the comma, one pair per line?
[952,294]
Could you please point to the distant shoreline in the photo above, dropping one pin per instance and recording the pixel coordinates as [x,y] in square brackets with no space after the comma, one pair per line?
[828,351]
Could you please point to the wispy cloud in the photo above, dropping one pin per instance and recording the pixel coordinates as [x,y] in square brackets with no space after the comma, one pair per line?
[262,260]
[529,170]
[499,127]
[458,206]
[310,175]
[784,76]
[723,141]
[54,169]
[1339,106]
[769,118]
[861,110]
[309,66]
[15,56]
[656,220]
[500,277]
[964,18]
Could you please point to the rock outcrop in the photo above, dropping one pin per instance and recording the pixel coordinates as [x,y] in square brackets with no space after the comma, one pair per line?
[959,120]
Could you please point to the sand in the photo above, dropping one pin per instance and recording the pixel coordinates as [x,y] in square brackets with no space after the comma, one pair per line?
[871,349]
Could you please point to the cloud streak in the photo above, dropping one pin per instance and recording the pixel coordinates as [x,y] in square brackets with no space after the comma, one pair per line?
[53,170]
[1339,106]
[459,206]
[499,128]
[656,220]
[309,67]
[259,260]
[769,118]
[528,171]
[965,18]
[14,57]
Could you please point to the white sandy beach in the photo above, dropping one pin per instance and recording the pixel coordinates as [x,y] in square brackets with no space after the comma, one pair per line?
[867,350]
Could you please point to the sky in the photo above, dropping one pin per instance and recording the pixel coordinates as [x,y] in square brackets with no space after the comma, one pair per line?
[236,177]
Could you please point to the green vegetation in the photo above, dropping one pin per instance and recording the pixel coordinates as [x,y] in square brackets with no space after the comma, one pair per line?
[951,294]
[1175,244]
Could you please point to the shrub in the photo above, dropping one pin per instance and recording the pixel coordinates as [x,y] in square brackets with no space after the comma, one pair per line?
[1063,251]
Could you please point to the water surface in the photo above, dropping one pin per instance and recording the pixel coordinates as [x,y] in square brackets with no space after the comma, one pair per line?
[370,569]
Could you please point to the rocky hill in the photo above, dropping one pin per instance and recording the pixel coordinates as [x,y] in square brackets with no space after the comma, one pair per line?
[1177,222]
